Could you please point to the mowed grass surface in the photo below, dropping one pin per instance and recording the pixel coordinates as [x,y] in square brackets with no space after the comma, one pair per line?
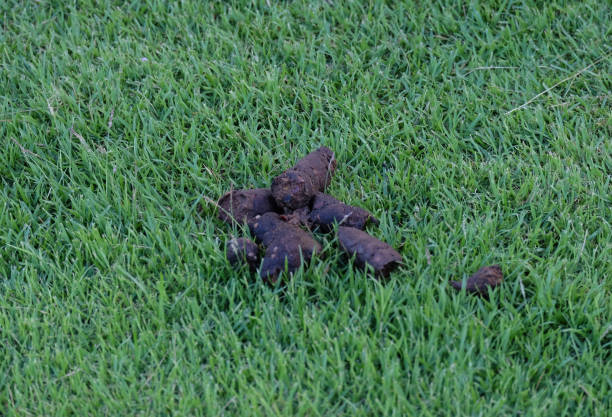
[116,299]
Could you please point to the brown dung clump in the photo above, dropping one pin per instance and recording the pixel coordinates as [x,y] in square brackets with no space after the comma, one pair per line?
[368,250]
[242,205]
[284,242]
[296,187]
[298,194]
[242,250]
[326,211]
[277,216]
[484,279]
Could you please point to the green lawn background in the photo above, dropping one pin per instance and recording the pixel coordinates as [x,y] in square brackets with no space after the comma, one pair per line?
[116,118]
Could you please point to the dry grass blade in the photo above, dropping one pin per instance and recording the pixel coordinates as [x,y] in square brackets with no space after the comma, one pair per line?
[80,138]
[571,77]
[493,67]
[24,150]
[110,118]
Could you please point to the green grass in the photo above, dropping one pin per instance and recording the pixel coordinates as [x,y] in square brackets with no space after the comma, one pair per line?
[116,299]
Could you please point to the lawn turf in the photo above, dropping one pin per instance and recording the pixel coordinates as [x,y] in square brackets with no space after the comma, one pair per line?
[118,120]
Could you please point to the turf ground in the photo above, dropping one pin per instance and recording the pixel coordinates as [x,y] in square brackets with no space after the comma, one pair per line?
[478,133]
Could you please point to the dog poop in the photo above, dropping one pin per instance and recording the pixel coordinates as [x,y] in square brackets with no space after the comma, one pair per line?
[240,250]
[479,283]
[368,250]
[285,244]
[242,205]
[296,187]
[326,211]
[276,218]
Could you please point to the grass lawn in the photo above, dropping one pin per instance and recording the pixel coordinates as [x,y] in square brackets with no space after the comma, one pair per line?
[117,117]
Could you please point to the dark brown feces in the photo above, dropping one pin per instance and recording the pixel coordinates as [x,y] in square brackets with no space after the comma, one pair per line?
[296,187]
[242,205]
[479,283]
[326,211]
[368,250]
[299,217]
[284,242]
[242,250]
